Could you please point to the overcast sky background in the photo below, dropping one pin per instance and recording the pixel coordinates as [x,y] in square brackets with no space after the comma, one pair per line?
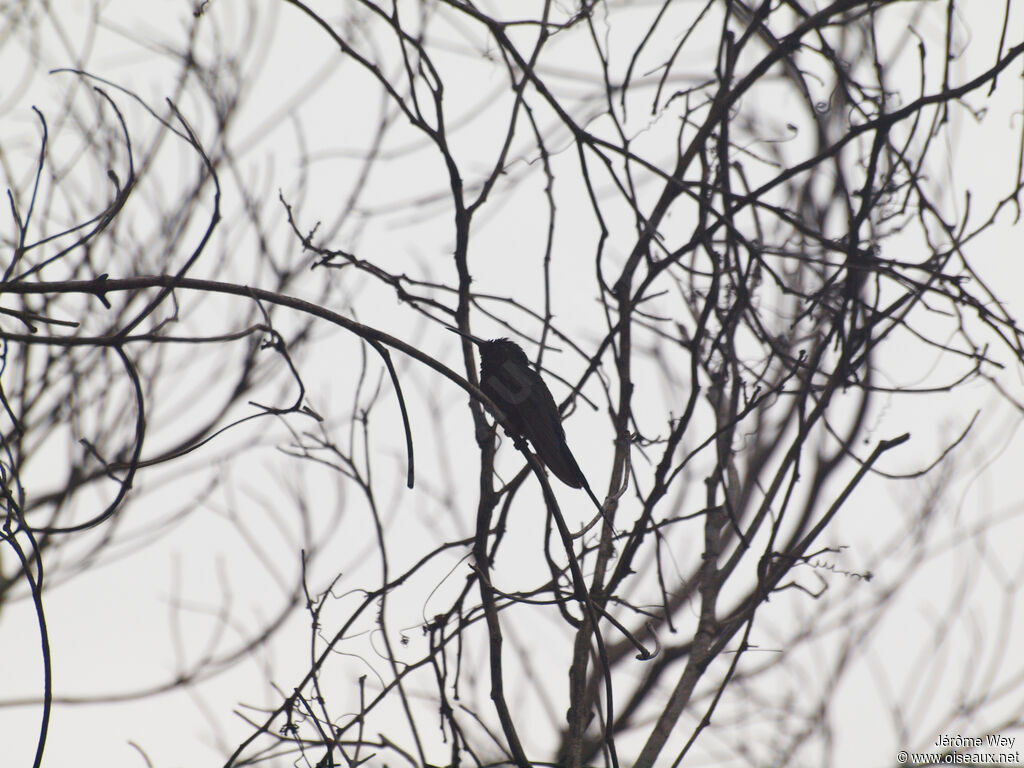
[116,628]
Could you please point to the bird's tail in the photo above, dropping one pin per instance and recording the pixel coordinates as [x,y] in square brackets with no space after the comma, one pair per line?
[561,462]
[563,465]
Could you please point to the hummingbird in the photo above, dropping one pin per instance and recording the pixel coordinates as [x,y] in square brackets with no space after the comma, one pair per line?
[512,384]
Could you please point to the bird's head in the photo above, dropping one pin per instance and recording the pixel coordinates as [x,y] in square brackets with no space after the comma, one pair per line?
[496,351]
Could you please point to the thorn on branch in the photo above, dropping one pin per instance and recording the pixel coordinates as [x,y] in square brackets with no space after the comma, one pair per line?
[100,291]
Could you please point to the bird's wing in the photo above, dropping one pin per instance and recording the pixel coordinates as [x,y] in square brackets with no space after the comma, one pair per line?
[546,435]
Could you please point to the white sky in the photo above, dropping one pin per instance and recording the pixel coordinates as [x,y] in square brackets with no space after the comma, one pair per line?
[115,628]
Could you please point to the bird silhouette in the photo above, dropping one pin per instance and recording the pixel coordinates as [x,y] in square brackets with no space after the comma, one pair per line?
[512,384]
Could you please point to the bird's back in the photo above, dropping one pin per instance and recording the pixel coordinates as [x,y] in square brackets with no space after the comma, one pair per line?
[511,382]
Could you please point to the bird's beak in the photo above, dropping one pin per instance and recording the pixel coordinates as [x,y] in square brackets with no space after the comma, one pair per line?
[475,339]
